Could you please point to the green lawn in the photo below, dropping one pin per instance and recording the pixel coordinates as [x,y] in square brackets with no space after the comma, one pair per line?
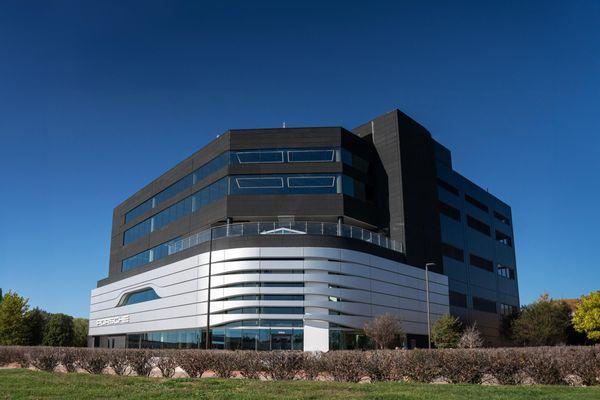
[26,384]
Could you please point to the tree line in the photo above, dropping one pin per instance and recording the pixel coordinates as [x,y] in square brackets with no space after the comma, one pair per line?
[20,325]
[545,322]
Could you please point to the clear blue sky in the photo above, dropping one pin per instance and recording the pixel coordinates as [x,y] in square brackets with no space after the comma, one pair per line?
[98,98]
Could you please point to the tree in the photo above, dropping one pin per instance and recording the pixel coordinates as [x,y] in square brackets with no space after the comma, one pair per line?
[59,331]
[446,332]
[471,338]
[80,332]
[35,325]
[542,323]
[587,316]
[384,330]
[12,314]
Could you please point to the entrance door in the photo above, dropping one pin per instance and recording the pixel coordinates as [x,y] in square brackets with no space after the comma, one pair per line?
[281,341]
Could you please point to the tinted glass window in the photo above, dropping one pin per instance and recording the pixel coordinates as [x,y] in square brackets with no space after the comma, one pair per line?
[457,299]
[139,297]
[448,187]
[481,262]
[453,252]
[311,155]
[449,211]
[478,225]
[484,304]
[476,203]
[264,156]
[308,182]
[259,182]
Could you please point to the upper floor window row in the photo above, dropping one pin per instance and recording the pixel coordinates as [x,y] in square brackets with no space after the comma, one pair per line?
[501,218]
[138,297]
[503,238]
[453,252]
[448,187]
[476,203]
[190,204]
[241,185]
[248,157]
[485,305]
[478,225]
[506,272]
[449,211]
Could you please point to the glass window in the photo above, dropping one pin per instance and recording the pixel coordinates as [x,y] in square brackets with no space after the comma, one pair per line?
[448,187]
[481,262]
[501,218]
[482,304]
[453,252]
[311,155]
[178,210]
[264,156]
[506,272]
[503,238]
[259,183]
[311,181]
[457,299]
[449,211]
[478,225]
[138,297]
[476,203]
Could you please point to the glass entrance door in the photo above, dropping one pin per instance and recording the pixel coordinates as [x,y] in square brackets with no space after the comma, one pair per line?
[281,341]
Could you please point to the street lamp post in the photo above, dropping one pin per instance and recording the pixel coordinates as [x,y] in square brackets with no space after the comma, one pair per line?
[427,265]
[208,338]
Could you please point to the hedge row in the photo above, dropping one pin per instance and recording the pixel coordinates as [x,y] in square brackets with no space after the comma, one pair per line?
[541,365]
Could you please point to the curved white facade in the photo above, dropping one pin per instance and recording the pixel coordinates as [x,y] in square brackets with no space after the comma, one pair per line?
[342,287]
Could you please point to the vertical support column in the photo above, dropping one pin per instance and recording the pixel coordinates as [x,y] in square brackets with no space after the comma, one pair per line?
[340,221]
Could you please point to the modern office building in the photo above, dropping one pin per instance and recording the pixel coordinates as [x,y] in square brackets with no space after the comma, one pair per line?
[294,238]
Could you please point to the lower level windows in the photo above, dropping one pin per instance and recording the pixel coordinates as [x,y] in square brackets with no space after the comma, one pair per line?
[265,284]
[264,310]
[267,297]
[508,309]
[482,304]
[138,297]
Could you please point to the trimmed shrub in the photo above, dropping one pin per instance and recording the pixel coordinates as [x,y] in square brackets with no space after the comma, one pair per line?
[13,354]
[117,360]
[166,363]
[222,362]
[140,361]
[312,365]
[193,362]
[249,363]
[344,365]
[378,365]
[68,358]
[44,358]
[92,360]
[504,365]
[422,365]
[282,365]
[461,366]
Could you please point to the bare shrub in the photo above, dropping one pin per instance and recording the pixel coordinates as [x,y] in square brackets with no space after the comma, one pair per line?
[68,358]
[193,362]
[249,363]
[471,338]
[541,366]
[581,362]
[504,365]
[166,362]
[422,365]
[222,362]
[13,354]
[44,358]
[282,365]
[140,361]
[92,360]
[312,365]
[345,366]
[378,364]
[383,330]
[461,366]
[117,360]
